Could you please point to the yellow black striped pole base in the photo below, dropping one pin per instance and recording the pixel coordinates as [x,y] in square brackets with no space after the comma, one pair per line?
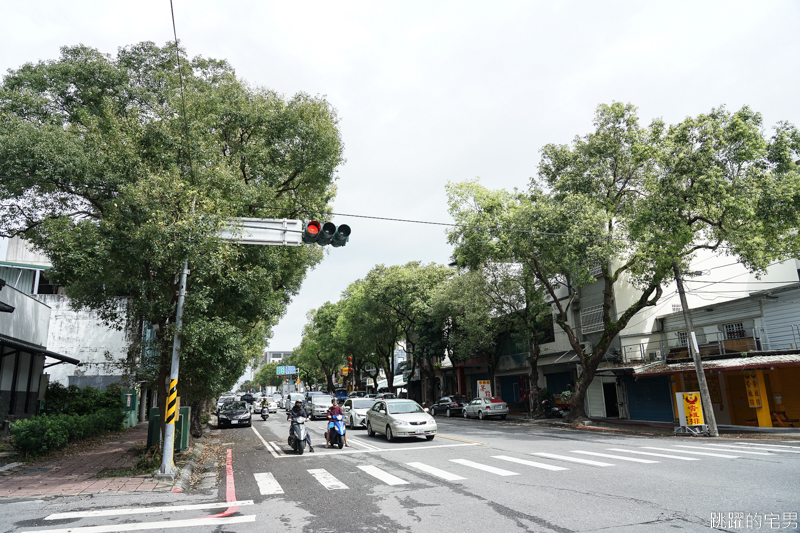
[172,401]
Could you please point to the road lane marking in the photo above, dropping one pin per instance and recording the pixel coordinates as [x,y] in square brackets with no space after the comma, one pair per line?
[264,442]
[145,510]
[276,447]
[351,451]
[166,524]
[384,476]
[485,468]
[621,458]
[432,470]
[571,459]
[460,440]
[267,484]
[692,453]
[529,463]
[678,457]
[361,443]
[750,451]
[713,450]
[326,479]
[768,447]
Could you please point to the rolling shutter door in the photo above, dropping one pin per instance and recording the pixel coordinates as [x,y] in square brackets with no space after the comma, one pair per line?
[595,403]
[649,399]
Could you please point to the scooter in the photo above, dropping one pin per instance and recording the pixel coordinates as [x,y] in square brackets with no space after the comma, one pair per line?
[297,435]
[337,431]
[552,411]
[264,412]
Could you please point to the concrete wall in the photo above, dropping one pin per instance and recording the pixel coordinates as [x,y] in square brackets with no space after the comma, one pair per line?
[19,251]
[30,319]
[82,335]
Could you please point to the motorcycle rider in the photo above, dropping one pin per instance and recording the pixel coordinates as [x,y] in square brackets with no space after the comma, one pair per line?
[296,412]
[333,410]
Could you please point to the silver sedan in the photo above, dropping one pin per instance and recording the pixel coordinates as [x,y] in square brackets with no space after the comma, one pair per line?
[486,407]
[400,418]
[355,412]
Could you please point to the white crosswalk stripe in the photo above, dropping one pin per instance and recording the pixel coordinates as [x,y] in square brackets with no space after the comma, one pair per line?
[673,450]
[739,449]
[571,459]
[432,470]
[714,450]
[621,458]
[667,456]
[485,468]
[384,476]
[770,445]
[764,447]
[529,463]
[267,484]
[326,479]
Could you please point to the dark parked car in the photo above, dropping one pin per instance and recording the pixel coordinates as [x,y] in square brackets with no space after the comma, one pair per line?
[234,414]
[247,397]
[449,405]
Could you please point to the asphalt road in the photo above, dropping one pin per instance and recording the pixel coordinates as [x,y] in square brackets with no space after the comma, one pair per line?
[475,476]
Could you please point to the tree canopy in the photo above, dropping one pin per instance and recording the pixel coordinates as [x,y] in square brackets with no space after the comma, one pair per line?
[106,175]
[633,200]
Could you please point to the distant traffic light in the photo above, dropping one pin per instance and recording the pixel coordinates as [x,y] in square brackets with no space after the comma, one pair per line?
[327,233]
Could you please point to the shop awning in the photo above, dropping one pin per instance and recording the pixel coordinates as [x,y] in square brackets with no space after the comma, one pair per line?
[36,349]
[733,363]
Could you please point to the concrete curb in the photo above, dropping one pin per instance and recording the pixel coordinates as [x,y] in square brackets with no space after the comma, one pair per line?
[182,483]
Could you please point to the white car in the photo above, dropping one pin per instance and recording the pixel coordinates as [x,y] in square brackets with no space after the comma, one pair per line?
[486,407]
[400,418]
[355,412]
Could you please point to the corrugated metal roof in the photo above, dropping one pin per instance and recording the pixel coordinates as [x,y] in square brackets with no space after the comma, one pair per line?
[734,363]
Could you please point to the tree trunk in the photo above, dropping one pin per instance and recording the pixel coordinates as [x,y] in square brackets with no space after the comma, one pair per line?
[199,408]
[533,393]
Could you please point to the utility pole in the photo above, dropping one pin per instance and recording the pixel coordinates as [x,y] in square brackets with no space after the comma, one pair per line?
[691,341]
[172,396]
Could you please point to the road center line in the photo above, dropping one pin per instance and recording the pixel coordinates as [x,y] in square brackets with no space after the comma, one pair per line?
[456,438]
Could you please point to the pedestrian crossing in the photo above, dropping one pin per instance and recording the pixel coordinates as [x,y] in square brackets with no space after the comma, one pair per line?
[464,470]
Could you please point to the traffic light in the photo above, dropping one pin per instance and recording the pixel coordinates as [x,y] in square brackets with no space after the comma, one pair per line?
[327,233]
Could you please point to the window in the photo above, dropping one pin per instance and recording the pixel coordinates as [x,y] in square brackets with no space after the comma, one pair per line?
[592,319]
[734,331]
[596,270]
[683,338]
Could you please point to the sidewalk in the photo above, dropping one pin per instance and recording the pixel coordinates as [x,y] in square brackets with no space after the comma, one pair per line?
[74,470]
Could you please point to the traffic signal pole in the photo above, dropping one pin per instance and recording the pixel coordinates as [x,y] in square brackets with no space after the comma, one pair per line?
[167,466]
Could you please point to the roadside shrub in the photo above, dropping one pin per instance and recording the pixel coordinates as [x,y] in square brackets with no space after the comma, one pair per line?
[74,400]
[35,436]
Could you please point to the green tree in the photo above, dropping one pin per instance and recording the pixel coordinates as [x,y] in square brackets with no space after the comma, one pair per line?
[118,188]
[319,353]
[634,200]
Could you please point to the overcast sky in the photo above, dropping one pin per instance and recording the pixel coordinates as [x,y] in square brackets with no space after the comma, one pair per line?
[430,92]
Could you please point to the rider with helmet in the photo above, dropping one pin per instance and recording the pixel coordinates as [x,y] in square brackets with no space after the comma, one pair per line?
[296,412]
[333,410]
